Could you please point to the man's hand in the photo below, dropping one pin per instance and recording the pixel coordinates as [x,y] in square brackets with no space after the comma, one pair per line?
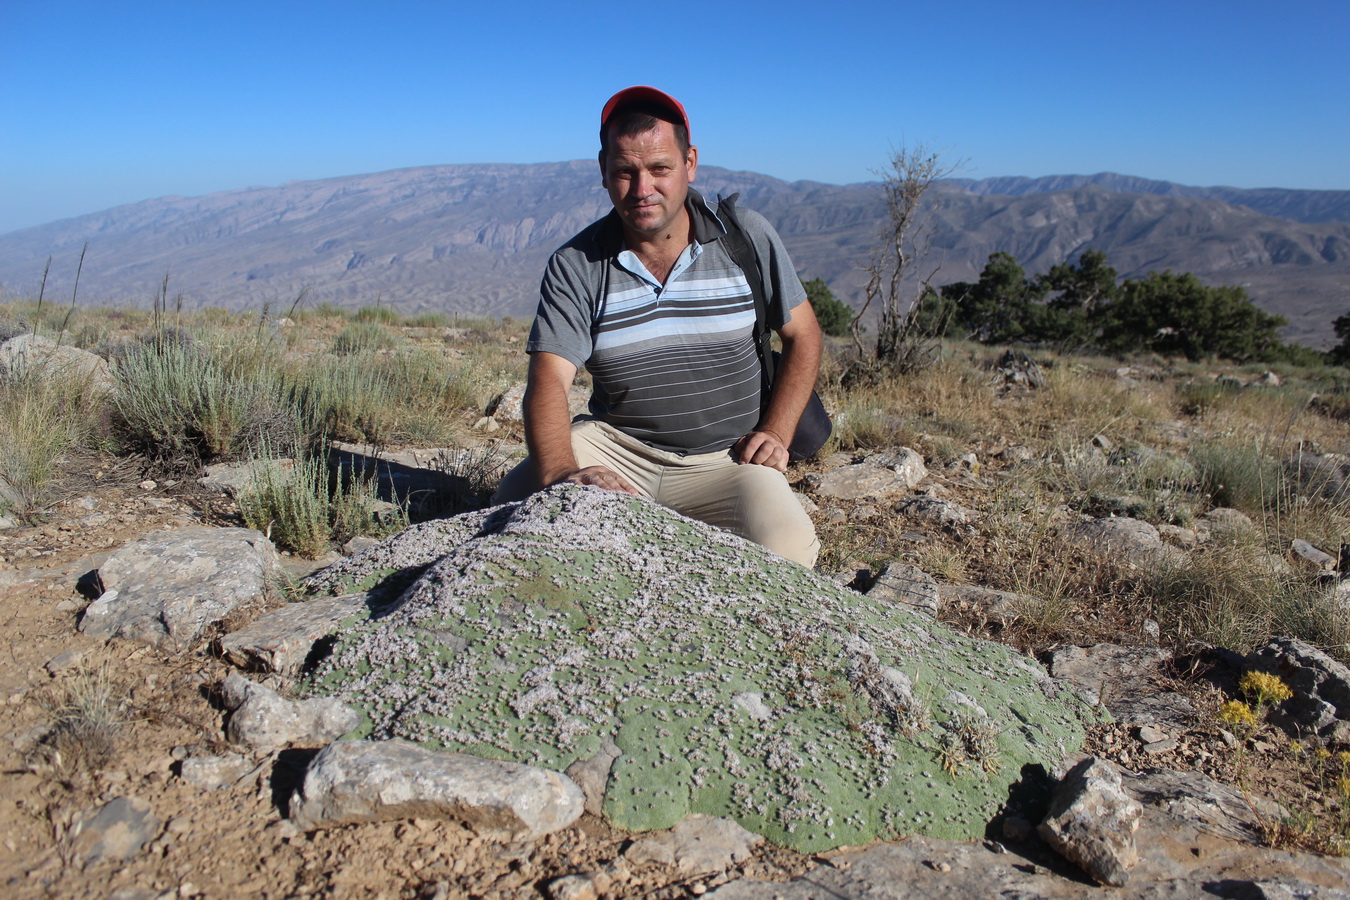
[600,477]
[762,448]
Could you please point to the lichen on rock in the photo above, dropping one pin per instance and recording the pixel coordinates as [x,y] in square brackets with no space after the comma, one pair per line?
[582,616]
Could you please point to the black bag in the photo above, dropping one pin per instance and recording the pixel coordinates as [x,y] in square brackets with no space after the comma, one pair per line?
[814,427]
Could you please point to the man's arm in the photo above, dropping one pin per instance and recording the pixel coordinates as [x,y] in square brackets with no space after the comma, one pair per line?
[793,382]
[548,428]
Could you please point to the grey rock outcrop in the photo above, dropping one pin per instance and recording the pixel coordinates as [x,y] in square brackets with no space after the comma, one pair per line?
[696,846]
[1131,540]
[1003,606]
[264,721]
[1126,680]
[1321,686]
[115,831]
[879,475]
[360,781]
[33,354]
[166,588]
[1324,475]
[282,640]
[907,585]
[1092,822]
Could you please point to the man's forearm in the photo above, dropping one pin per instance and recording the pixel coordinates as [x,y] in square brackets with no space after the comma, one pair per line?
[548,431]
[793,382]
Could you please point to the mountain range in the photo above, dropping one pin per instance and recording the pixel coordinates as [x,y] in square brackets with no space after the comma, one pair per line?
[474,238]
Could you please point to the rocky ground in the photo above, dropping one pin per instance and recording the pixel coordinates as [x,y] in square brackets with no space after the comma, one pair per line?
[119,779]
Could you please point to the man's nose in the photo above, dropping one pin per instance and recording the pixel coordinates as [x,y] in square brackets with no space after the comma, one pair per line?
[642,184]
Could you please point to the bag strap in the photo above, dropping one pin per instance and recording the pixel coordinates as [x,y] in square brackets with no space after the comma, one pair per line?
[745,257]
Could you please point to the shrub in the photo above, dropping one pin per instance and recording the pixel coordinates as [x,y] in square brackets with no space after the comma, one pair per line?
[361,337]
[305,505]
[182,405]
[1238,474]
[41,420]
[385,314]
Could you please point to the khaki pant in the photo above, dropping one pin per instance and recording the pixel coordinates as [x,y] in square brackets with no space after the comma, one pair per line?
[752,501]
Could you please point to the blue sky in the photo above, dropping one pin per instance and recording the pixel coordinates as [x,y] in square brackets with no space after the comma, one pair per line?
[104,103]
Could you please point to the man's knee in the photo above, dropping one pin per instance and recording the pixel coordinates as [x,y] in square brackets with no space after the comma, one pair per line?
[793,538]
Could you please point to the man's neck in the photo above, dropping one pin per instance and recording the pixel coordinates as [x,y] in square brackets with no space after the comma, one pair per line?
[659,252]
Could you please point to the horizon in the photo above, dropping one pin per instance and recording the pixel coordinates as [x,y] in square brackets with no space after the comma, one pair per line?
[119,106]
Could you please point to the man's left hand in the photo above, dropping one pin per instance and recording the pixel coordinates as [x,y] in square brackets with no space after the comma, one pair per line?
[761,448]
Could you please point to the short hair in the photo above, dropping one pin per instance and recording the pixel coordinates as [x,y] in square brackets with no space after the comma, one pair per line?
[641,117]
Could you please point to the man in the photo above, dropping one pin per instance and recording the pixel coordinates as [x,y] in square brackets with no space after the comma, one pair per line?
[649,300]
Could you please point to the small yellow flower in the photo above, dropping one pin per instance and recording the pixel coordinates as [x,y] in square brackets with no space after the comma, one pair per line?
[1264,688]
[1296,748]
[1344,757]
[1235,712]
[1322,753]
[1343,785]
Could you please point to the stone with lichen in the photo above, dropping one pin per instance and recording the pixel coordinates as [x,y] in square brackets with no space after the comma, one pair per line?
[732,682]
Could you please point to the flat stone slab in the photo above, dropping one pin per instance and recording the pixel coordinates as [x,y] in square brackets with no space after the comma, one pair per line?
[732,683]
[282,640]
[364,781]
[879,475]
[165,588]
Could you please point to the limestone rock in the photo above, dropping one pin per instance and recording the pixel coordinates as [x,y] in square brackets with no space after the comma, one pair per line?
[166,588]
[115,831]
[907,585]
[360,781]
[1001,605]
[1321,686]
[233,479]
[264,721]
[1130,540]
[697,846]
[31,353]
[1325,475]
[1224,518]
[1092,822]
[541,630]
[879,475]
[939,512]
[1310,555]
[281,640]
[212,773]
[1126,680]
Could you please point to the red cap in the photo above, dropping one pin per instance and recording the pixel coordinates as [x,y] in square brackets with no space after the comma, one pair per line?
[643,92]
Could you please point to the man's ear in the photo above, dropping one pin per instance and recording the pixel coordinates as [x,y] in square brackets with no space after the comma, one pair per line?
[690,161]
[601,158]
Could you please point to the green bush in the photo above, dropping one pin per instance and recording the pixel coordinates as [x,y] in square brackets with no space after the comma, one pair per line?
[834,316]
[361,337]
[385,314]
[1237,474]
[180,404]
[41,420]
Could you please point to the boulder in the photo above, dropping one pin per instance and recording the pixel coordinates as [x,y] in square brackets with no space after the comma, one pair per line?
[265,722]
[1321,686]
[165,588]
[1092,822]
[1131,541]
[879,475]
[732,684]
[1322,475]
[33,354]
[283,639]
[363,781]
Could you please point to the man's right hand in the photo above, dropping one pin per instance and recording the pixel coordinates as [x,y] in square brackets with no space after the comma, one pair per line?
[600,477]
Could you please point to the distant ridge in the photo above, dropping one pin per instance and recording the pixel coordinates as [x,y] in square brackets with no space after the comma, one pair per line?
[474,238]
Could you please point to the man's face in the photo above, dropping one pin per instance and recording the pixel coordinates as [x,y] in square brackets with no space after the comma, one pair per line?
[648,178]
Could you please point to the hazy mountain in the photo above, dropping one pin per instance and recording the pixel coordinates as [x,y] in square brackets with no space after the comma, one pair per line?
[474,238]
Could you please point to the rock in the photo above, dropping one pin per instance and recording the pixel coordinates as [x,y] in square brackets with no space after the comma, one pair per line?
[65,662]
[1016,367]
[573,887]
[1321,686]
[1324,475]
[360,781]
[31,353]
[234,479]
[165,588]
[591,775]
[1131,540]
[699,845]
[1224,518]
[265,722]
[115,831]
[879,475]
[1126,680]
[907,585]
[1092,822]
[509,406]
[1309,554]
[581,615]
[1002,605]
[943,513]
[214,772]
[282,640]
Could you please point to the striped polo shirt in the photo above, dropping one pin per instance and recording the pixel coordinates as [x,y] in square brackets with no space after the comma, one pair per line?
[673,365]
